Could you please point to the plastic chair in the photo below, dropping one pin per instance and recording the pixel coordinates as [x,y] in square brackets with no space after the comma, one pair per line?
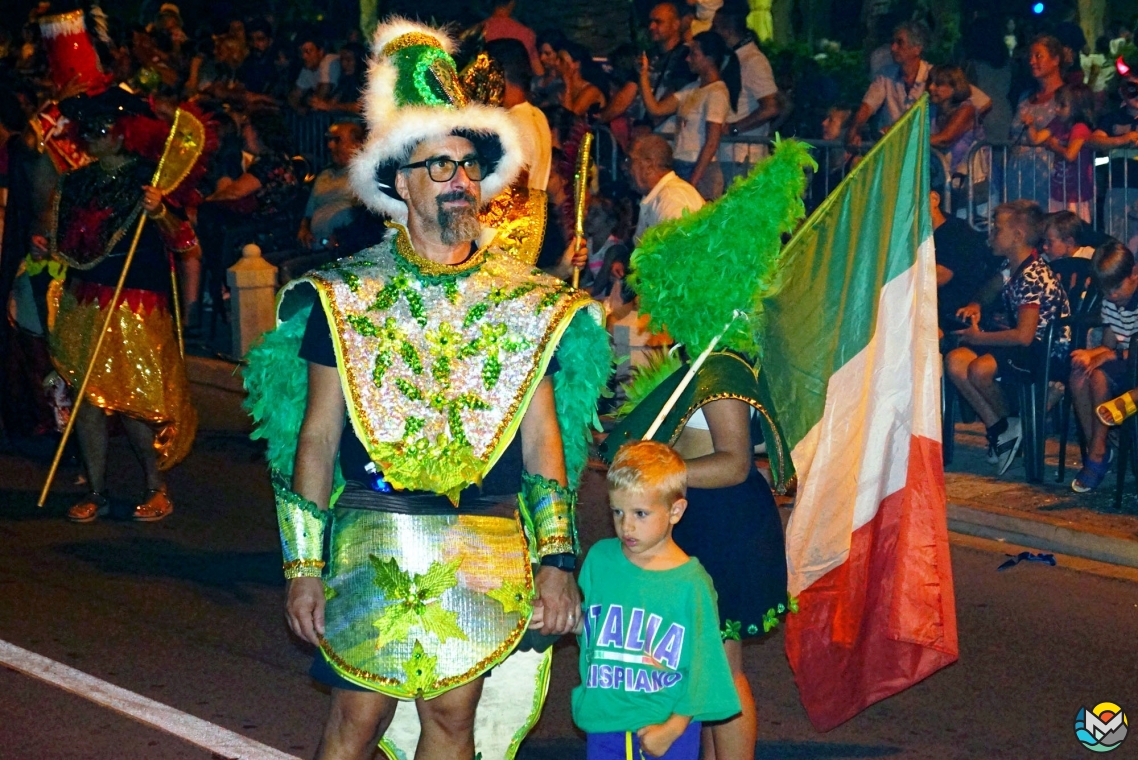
[1086,302]
[1032,385]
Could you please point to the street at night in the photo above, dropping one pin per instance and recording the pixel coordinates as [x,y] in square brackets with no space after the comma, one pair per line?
[188,612]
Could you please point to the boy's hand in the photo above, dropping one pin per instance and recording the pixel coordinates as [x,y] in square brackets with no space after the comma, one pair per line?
[969,313]
[537,620]
[657,739]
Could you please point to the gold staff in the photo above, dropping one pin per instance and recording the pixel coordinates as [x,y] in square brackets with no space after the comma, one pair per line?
[581,194]
[184,145]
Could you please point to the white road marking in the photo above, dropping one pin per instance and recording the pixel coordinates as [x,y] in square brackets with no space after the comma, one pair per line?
[194,730]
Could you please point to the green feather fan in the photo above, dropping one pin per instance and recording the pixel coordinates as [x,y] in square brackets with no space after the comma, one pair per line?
[693,273]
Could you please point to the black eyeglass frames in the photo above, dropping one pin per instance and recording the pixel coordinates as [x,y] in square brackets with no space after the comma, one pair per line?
[443,168]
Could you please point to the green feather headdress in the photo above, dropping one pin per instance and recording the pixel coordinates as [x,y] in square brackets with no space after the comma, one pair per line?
[695,272]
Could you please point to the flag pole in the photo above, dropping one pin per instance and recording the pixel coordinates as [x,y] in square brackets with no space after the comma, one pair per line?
[671,402]
[581,196]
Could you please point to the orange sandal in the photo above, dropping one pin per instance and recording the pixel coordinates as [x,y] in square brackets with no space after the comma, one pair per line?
[156,507]
[93,506]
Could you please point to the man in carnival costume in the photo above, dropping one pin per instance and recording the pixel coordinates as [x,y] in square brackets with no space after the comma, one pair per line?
[427,405]
[140,373]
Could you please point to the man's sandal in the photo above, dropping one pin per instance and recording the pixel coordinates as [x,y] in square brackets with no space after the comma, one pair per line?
[92,506]
[1115,411]
[156,507]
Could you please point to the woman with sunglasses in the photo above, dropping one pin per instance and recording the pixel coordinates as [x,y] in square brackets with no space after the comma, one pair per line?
[1115,132]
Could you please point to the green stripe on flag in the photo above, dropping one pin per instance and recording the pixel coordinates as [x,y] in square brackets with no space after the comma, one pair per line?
[824,310]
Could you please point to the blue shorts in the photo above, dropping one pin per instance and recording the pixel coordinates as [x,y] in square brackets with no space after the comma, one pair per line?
[1116,373]
[614,746]
[322,672]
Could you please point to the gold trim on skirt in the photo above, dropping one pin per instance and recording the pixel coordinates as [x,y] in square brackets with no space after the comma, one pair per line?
[140,372]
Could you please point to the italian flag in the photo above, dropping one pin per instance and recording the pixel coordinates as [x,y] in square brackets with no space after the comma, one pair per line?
[853,373]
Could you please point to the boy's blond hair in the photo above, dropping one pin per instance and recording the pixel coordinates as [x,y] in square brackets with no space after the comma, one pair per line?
[648,466]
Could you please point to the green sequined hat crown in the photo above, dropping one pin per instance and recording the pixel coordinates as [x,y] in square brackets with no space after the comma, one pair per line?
[413,94]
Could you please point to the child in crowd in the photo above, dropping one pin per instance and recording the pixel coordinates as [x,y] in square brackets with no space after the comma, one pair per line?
[1032,297]
[1099,374]
[1072,174]
[1061,233]
[652,663]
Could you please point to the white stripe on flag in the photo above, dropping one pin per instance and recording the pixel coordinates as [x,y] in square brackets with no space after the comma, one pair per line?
[858,453]
[220,741]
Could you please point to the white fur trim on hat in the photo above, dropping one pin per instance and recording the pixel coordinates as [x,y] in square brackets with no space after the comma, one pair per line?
[395,131]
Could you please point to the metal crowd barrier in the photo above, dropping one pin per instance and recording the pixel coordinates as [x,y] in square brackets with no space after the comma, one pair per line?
[1103,194]
[308,134]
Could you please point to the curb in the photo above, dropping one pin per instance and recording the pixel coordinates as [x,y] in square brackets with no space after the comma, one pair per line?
[1116,549]
[216,373]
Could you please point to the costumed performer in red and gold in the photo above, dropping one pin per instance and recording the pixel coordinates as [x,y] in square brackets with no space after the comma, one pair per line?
[140,373]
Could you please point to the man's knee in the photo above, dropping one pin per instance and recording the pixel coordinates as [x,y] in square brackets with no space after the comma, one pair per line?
[453,712]
[358,716]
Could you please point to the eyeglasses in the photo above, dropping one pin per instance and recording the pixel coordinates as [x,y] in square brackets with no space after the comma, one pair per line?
[443,168]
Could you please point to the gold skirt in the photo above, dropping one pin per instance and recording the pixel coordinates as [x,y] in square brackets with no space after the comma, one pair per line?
[140,372]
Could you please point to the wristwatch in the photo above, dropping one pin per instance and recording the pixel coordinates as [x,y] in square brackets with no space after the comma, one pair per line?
[566,561]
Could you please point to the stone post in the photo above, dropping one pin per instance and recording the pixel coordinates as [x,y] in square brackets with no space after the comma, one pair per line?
[252,287]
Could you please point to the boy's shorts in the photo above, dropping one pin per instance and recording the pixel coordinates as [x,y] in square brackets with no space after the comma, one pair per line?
[615,746]
[1116,373]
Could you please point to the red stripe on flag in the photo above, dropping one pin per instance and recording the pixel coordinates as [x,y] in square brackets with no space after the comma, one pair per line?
[886,618]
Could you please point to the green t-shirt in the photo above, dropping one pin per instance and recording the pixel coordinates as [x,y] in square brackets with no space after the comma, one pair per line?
[651,646]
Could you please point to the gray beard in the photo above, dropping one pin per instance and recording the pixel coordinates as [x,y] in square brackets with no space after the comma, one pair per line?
[458,225]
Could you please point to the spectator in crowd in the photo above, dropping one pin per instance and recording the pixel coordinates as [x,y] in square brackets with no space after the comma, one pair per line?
[834,161]
[988,66]
[963,262]
[607,225]
[502,26]
[703,13]
[702,108]
[216,75]
[319,75]
[899,86]
[258,72]
[665,195]
[265,187]
[332,203]
[1062,232]
[1119,129]
[1099,374]
[346,94]
[624,104]
[956,125]
[1032,297]
[584,82]
[1072,173]
[546,88]
[669,72]
[1071,37]
[169,20]
[759,103]
[1029,168]
[533,127]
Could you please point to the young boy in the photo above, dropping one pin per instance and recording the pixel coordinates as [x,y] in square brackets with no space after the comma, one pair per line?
[1099,374]
[652,662]
[1032,297]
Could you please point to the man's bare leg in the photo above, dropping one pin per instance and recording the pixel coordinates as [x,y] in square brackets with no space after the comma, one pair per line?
[447,724]
[355,723]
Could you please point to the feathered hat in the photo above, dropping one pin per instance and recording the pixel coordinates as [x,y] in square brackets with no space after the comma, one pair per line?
[413,94]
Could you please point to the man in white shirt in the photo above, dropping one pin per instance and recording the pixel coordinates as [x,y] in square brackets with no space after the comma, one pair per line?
[536,139]
[666,196]
[758,103]
[898,87]
[319,75]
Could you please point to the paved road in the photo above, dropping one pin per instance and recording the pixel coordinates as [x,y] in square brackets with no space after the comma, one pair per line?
[187,612]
